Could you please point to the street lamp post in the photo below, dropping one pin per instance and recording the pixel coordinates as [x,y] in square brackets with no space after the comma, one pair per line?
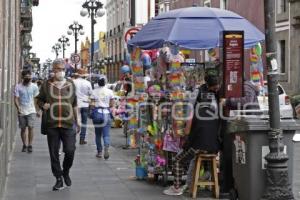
[92,8]
[56,48]
[74,29]
[278,187]
[65,42]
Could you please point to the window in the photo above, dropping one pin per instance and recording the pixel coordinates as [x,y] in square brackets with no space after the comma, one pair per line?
[224,4]
[207,3]
[281,55]
[281,6]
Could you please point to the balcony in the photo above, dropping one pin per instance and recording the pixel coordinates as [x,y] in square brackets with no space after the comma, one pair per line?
[26,19]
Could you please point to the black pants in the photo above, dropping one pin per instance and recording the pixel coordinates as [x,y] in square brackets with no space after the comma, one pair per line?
[68,138]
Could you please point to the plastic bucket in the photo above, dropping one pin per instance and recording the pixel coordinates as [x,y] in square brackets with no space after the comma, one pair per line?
[140,173]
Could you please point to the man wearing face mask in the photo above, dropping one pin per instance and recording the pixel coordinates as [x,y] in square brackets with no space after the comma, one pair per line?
[58,99]
[25,93]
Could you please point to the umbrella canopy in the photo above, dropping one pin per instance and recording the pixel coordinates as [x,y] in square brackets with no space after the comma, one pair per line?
[194,28]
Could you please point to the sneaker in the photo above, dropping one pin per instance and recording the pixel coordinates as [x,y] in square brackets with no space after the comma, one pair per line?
[59,185]
[29,149]
[24,148]
[106,153]
[67,180]
[172,191]
[99,155]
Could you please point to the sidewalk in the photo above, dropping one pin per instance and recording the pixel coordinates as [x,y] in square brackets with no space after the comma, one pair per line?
[93,179]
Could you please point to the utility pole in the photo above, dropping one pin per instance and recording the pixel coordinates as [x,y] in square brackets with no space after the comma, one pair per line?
[278,187]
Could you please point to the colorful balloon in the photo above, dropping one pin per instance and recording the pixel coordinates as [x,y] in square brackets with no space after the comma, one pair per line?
[258,49]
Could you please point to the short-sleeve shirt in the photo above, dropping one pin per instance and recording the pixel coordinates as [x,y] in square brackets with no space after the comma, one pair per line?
[26,94]
[102,97]
[83,92]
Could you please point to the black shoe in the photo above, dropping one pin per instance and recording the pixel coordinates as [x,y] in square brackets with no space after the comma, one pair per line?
[82,142]
[29,149]
[24,148]
[59,185]
[67,179]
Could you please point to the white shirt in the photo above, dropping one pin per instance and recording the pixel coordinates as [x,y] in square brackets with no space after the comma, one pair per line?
[83,92]
[26,94]
[102,96]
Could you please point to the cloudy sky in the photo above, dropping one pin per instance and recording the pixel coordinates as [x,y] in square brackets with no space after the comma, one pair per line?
[51,20]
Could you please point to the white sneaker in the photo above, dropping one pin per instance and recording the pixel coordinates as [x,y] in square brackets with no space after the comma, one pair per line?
[172,191]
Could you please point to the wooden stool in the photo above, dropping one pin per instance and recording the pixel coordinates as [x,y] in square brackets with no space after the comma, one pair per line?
[196,182]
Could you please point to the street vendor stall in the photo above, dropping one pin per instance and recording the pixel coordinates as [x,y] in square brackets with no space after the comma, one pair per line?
[165,103]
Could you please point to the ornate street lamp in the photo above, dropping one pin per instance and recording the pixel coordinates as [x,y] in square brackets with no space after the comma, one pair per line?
[65,42]
[56,49]
[92,8]
[74,29]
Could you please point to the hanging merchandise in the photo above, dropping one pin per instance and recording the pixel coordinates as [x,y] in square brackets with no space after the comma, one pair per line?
[171,143]
[146,61]
[125,69]
[256,67]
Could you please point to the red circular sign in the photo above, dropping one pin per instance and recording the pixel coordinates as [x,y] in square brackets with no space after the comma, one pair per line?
[130,33]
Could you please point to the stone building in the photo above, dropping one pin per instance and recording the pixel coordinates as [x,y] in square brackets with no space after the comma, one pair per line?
[13,24]
[85,52]
[288,43]
[121,16]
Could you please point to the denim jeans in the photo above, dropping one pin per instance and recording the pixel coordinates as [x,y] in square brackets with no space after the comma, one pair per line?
[103,131]
[84,117]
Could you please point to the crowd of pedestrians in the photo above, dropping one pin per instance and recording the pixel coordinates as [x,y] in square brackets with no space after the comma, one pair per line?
[65,102]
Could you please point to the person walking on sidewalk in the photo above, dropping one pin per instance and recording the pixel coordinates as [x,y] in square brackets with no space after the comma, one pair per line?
[24,97]
[204,134]
[102,116]
[83,93]
[58,99]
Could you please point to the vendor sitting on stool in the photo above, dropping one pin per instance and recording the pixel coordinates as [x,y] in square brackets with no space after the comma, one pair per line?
[204,134]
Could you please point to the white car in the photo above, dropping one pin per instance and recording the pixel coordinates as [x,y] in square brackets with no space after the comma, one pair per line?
[286,109]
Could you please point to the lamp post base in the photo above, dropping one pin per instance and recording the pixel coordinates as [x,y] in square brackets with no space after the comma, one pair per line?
[278,187]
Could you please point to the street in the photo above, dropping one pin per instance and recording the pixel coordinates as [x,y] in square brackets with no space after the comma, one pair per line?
[30,176]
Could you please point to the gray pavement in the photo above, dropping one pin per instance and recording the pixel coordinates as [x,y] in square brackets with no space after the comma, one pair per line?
[30,177]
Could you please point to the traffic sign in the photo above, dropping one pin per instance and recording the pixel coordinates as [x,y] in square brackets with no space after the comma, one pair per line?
[75,58]
[130,33]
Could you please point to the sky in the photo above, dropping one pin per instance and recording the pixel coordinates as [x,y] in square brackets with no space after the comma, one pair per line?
[51,20]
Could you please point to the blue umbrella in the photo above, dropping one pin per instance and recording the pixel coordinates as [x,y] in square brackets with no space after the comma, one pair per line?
[194,28]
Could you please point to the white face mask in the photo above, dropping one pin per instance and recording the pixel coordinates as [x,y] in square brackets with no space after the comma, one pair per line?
[60,75]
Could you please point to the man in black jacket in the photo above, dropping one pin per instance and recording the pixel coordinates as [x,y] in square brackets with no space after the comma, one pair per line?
[204,134]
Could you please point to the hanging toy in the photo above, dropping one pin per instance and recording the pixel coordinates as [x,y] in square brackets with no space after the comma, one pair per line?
[258,49]
[212,53]
[146,60]
[125,69]
[160,161]
[253,56]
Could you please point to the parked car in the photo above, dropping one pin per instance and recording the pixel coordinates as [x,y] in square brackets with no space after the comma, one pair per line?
[286,109]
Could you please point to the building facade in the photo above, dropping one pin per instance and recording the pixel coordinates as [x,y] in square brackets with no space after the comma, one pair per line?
[164,6]
[85,52]
[288,43]
[10,62]
[121,16]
